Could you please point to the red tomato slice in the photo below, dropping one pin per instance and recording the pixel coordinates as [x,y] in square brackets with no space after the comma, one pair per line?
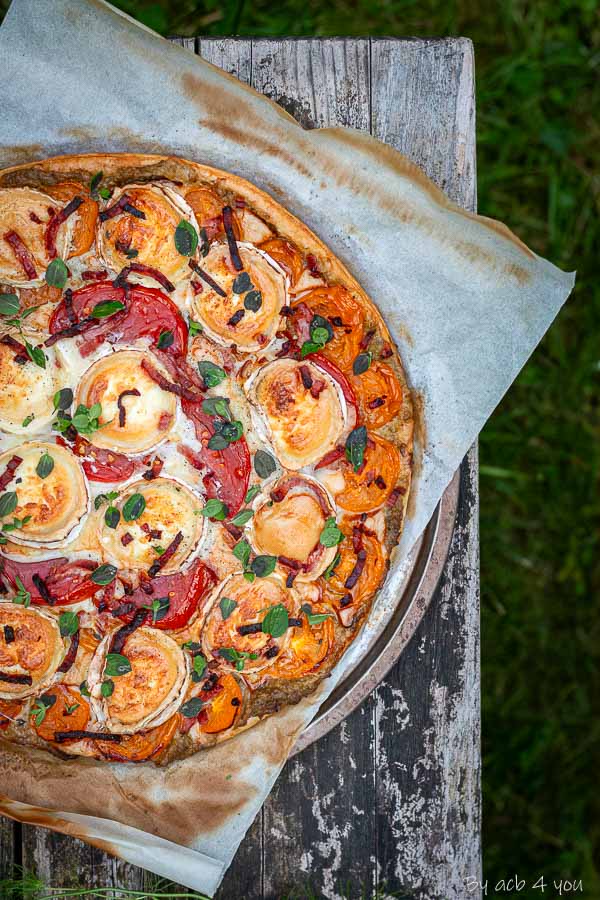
[67,582]
[228,470]
[101,465]
[149,312]
[184,590]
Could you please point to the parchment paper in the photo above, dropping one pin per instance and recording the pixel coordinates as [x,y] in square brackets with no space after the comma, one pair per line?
[77,76]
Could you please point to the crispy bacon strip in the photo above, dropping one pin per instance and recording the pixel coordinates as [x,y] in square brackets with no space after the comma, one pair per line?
[71,331]
[71,653]
[9,472]
[90,275]
[21,352]
[56,221]
[331,457]
[361,558]
[123,204]
[122,411]
[9,634]
[10,678]
[141,269]
[43,589]
[68,298]
[236,259]
[120,636]
[179,389]
[158,564]
[22,254]
[62,736]
[206,277]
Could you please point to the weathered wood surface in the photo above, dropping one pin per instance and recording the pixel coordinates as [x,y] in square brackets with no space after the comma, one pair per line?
[389,801]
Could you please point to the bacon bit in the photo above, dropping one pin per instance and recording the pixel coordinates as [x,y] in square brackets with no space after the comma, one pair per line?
[164,421]
[155,534]
[237,317]
[146,587]
[289,563]
[233,530]
[90,275]
[278,495]
[357,539]
[145,528]
[122,205]
[22,254]
[126,539]
[235,701]
[206,278]
[141,269]
[122,411]
[346,600]
[394,496]
[43,589]
[9,472]
[231,241]
[211,681]
[311,262]
[306,377]
[285,349]
[380,483]
[71,331]
[386,351]
[179,389]
[331,457]
[21,356]
[55,223]
[367,339]
[317,388]
[124,608]
[240,204]
[251,628]
[68,298]
[162,560]
[71,655]
[270,652]
[61,736]
[356,572]
[15,679]
[154,470]
[196,286]
[35,218]
[336,321]
[9,634]
[286,311]
[377,402]
[289,581]
[120,636]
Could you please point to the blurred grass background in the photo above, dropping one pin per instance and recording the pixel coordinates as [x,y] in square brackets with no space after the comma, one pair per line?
[538,142]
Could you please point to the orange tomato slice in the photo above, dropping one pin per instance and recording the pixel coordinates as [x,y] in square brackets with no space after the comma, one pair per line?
[225,707]
[309,645]
[208,209]
[369,579]
[85,226]
[370,487]
[10,708]
[141,746]
[336,302]
[288,257]
[379,394]
[58,717]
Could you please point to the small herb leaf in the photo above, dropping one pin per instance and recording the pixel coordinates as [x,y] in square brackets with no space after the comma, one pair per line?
[57,274]
[45,465]
[68,623]
[276,621]
[134,507]
[104,574]
[186,238]
[116,664]
[264,464]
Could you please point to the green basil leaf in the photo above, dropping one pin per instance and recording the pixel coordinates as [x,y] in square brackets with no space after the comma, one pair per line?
[191,645]
[320,324]
[95,184]
[99,500]
[57,274]
[217,442]
[45,465]
[264,464]
[107,687]
[84,689]
[108,308]
[309,347]
[253,301]
[195,328]
[112,516]
[316,618]
[104,574]
[159,608]
[105,193]
[253,492]
[242,552]
[231,431]
[116,664]
[36,355]
[276,621]
[241,283]
[263,565]
[212,375]
[134,507]
[215,509]
[63,399]
[191,708]
[320,336]
[249,576]
[217,406]
[227,606]
[242,517]
[332,566]
[331,535]
[9,304]
[68,623]
[199,667]
[94,411]
[27,420]
[356,443]
[165,340]
[8,503]
[186,238]
[362,363]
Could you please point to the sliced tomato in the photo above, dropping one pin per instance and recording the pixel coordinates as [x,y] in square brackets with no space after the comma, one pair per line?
[67,582]
[184,589]
[228,470]
[148,313]
[102,465]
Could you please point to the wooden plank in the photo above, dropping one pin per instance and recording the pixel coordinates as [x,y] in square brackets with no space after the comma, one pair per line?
[9,846]
[427,710]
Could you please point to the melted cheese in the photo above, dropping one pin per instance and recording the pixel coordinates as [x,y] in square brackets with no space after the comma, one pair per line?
[26,390]
[19,208]
[56,504]
[256,328]
[170,508]
[37,649]
[152,237]
[151,692]
[148,418]
[300,428]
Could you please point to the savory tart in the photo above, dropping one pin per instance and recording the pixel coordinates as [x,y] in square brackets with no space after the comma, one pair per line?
[205,456]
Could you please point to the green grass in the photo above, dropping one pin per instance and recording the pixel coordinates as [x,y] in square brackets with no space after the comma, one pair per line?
[538,161]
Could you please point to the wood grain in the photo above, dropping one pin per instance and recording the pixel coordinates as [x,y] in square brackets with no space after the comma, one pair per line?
[388,801]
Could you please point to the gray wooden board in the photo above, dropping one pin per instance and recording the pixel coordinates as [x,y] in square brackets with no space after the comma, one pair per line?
[388,802]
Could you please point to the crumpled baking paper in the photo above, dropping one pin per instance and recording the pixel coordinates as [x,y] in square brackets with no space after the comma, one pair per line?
[76,76]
